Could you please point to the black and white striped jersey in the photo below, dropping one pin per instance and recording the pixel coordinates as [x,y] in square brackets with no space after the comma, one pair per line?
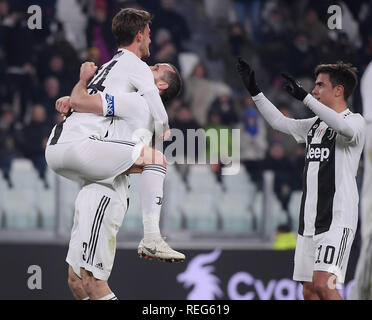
[333,149]
[124,73]
[330,195]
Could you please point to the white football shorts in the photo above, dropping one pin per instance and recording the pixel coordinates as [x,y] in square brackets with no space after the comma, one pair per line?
[99,213]
[328,251]
[92,159]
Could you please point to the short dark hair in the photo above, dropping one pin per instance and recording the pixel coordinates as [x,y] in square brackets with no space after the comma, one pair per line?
[127,22]
[340,73]
[174,80]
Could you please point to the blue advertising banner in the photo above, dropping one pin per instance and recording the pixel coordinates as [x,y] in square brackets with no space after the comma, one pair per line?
[40,272]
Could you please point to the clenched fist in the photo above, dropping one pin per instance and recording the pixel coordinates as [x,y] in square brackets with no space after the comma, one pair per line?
[63,105]
[87,70]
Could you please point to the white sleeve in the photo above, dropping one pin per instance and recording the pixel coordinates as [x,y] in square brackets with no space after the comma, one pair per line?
[121,105]
[298,128]
[108,104]
[145,84]
[359,125]
[333,119]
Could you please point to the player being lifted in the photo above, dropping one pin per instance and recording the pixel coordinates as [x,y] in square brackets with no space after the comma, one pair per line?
[334,142]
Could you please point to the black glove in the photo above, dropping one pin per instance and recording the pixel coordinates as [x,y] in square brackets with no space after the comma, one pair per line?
[248,78]
[293,87]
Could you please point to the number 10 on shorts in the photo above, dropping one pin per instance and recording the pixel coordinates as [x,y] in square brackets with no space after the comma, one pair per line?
[328,256]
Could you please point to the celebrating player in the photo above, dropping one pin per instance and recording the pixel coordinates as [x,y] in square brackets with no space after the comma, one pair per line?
[89,147]
[334,142]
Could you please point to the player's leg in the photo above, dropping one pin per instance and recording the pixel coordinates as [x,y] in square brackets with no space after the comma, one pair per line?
[154,168]
[325,285]
[74,258]
[92,159]
[153,165]
[101,213]
[76,285]
[309,291]
[332,256]
[96,289]
[303,266]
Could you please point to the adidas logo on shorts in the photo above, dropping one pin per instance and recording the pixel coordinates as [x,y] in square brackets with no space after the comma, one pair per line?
[99,266]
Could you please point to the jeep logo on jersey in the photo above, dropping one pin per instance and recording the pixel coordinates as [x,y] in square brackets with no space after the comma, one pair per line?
[317,154]
[110,105]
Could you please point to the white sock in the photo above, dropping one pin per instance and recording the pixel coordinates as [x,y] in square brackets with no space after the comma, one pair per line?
[87,298]
[110,296]
[152,181]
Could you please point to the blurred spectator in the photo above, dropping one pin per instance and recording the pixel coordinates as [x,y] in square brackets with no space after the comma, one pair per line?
[298,164]
[276,33]
[59,46]
[200,92]
[285,239]
[218,12]
[167,53]
[278,162]
[219,146]
[33,138]
[249,15]
[56,68]
[20,53]
[99,33]
[7,144]
[341,49]
[237,44]
[184,121]
[94,55]
[73,16]
[225,108]
[168,18]
[50,94]
[253,143]
[163,49]
[315,29]
[288,143]
[302,56]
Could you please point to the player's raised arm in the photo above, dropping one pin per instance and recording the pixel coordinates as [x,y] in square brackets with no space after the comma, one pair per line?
[81,100]
[333,119]
[297,128]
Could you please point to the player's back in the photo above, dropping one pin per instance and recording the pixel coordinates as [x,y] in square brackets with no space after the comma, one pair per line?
[125,72]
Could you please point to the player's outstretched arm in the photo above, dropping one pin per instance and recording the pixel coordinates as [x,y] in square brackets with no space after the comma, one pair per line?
[333,119]
[272,115]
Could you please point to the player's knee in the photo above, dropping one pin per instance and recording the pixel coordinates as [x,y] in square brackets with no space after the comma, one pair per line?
[75,283]
[321,288]
[89,284]
[151,156]
[308,292]
[93,286]
[159,158]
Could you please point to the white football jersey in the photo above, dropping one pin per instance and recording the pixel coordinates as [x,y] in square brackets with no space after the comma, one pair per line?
[125,72]
[330,194]
[133,120]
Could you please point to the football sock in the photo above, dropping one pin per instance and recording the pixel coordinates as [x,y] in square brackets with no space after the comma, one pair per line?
[110,296]
[152,181]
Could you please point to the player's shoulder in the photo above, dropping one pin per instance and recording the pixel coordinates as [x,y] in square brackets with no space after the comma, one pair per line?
[355,117]
[132,61]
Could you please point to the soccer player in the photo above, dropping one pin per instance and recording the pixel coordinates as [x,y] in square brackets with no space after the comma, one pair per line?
[124,73]
[99,211]
[77,148]
[334,142]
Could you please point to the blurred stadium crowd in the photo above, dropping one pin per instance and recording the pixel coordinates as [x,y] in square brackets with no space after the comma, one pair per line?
[203,39]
